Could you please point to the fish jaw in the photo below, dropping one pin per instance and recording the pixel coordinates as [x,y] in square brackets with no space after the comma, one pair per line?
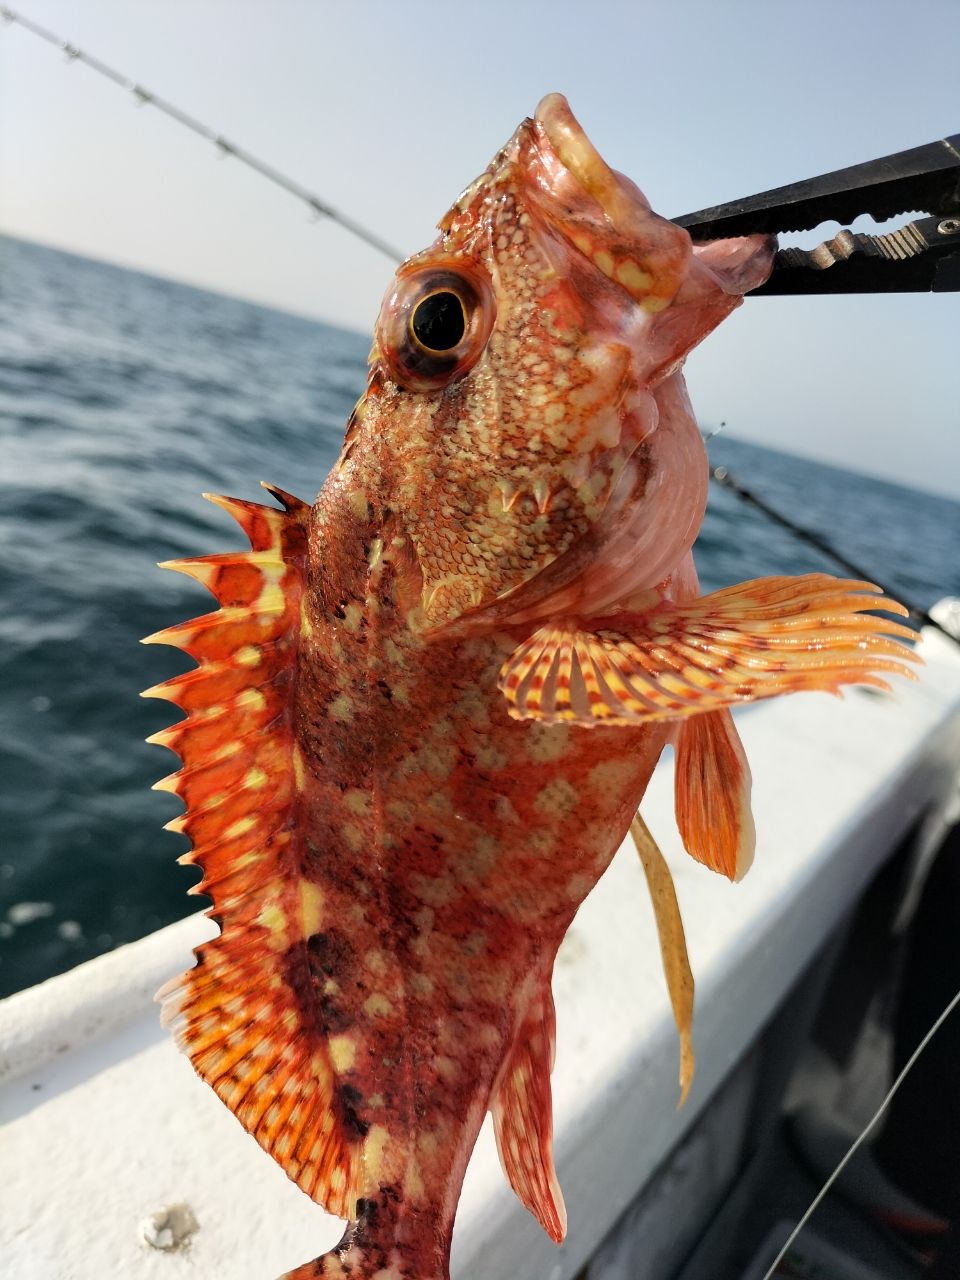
[536,443]
[608,219]
[602,213]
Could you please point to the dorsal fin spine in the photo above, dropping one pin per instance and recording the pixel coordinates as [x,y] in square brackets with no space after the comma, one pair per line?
[235,1014]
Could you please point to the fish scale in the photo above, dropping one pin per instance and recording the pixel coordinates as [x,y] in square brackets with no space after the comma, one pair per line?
[427,710]
[479,802]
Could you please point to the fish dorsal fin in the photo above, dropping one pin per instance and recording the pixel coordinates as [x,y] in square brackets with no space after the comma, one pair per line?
[712,794]
[522,1110]
[242,1013]
[755,640]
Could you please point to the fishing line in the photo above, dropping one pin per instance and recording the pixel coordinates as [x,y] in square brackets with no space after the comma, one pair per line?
[319,208]
[724,478]
[815,1203]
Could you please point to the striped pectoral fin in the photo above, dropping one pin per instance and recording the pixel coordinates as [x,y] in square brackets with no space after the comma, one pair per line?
[242,1013]
[712,794]
[673,946]
[755,640]
[523,1119]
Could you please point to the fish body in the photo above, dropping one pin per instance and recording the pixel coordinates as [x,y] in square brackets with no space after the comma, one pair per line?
[428,708]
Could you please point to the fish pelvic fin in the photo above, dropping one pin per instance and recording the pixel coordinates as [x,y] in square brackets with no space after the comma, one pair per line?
[712,794]
[522,1111]
[754,640]
[673,946]
[242,1014]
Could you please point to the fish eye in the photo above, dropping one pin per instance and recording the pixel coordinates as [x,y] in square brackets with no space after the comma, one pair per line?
[435,322]
[438,322]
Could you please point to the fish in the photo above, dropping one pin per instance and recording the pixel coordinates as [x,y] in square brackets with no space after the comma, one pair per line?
[425,713]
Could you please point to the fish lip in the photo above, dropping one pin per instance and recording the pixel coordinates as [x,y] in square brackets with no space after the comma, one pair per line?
[556,125]
[599,212]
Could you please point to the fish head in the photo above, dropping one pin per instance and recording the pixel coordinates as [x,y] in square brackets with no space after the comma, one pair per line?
[515,400]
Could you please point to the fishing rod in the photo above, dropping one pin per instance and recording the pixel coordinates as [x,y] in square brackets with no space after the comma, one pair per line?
[145,97]
[320,208]
[723,477]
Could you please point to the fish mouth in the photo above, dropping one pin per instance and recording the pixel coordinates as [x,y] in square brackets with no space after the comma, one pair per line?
[600,212]
[574,150]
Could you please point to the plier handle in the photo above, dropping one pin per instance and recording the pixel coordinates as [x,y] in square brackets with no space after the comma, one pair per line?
[921,256]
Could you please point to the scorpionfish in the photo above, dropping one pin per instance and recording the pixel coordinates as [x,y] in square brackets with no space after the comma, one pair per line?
[427,709]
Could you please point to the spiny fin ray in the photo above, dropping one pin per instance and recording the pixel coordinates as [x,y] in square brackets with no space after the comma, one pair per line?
[712,794]
[523,1119]
[755,640]
[236,1014]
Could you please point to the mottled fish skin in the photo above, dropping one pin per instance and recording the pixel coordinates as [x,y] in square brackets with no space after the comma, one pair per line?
[450,844]
[428,708]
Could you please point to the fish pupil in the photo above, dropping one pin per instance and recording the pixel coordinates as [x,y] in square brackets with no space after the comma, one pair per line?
[438,322]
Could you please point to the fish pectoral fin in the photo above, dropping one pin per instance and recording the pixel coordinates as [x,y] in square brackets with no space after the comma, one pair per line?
[754,640]
[712,794]
[673,946]
[240,1013]
[522,1111]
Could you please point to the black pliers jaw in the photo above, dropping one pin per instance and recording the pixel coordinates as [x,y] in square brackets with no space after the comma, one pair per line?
[922,256]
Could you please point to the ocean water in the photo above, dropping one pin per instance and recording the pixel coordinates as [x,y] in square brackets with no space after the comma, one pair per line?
[122,397]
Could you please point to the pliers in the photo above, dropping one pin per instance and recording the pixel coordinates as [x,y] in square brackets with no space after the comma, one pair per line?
[920,257]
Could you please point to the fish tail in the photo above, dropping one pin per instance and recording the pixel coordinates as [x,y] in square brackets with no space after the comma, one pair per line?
[356,1264]
[360,1257]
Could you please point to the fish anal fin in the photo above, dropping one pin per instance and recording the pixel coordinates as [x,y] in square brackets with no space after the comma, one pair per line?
[712,794]
[522,1110]
[679,658]
[242,1014]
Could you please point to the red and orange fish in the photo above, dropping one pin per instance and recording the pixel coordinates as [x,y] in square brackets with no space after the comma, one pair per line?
[428,707]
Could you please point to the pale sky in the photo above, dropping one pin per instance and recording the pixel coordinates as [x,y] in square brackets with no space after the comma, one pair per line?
[387,109]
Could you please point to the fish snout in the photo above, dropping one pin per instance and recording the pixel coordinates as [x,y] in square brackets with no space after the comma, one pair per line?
[603,214]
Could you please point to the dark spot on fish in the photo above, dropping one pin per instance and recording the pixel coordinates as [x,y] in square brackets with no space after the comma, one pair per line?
[333,1018]
[350,1098]
[324,957]
[368,1211]
[385,690]
[330,954]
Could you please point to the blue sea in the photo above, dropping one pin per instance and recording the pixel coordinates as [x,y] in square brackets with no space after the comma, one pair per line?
[122,397]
